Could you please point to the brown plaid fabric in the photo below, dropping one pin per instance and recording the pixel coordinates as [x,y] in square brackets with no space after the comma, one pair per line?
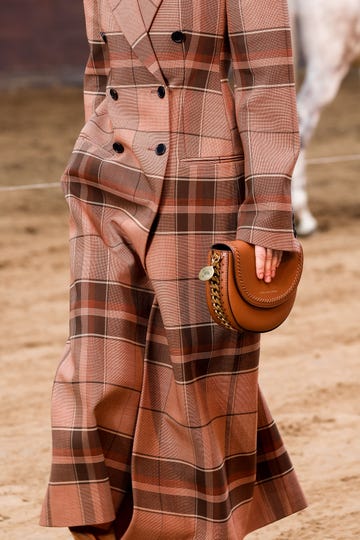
[158,423]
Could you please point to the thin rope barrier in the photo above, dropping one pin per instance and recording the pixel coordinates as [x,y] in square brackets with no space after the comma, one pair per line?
[42,185]
[333,159]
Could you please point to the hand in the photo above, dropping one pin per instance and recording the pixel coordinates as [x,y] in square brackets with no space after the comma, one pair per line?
[267,261]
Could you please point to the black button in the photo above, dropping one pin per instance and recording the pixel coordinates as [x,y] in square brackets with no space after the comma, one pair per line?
[118,147]
[178,36]
[160,149]
[161,92]
[114,94]
[104,36]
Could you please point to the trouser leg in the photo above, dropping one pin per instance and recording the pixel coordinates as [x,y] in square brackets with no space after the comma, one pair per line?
[98,383]
[196,424]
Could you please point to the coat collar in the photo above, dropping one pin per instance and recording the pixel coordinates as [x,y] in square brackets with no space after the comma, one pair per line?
[135,18]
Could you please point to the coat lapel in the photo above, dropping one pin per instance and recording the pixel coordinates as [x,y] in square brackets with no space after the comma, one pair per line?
[135,18]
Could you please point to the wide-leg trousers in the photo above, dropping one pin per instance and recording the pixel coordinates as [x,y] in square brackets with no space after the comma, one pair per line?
[158,422]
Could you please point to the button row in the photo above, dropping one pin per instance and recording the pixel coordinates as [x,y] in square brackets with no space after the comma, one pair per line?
[159,150]
[161,91]
[177,36]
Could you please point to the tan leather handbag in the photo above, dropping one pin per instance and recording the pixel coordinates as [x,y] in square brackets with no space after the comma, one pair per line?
[240,301]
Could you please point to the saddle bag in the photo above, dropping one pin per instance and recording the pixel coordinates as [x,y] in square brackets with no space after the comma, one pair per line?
[237,299]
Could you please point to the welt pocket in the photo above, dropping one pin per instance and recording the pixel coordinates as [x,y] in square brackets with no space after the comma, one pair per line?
[214,159]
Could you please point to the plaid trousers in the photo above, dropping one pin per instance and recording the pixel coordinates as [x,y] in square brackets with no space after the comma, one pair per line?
[158,422]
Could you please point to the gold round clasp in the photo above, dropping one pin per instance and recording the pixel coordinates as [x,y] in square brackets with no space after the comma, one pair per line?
[206,273]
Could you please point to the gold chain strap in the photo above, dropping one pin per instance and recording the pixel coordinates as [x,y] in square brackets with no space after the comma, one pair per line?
[214,283]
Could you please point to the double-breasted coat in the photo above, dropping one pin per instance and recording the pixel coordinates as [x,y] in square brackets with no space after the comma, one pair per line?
[158,422]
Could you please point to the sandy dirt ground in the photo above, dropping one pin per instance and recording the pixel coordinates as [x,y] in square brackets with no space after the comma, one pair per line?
[310,369]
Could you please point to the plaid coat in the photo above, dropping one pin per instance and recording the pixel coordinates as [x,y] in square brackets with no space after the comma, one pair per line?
[158,422]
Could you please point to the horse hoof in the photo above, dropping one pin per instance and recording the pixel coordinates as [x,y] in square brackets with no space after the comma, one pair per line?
[306,224]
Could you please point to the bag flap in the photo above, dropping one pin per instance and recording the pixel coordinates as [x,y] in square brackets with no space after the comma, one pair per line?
[255,291]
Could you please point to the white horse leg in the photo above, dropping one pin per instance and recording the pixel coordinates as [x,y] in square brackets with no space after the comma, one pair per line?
[305,222]
[319,88]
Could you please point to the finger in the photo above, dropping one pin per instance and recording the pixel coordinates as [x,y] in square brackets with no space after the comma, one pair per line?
[268,264]
[277,255]
[274,262]
[260,254]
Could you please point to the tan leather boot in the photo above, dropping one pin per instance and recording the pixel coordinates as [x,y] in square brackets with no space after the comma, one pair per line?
[82,536]
[92,533]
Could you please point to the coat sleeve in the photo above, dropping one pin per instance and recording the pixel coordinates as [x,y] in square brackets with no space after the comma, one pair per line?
[97,67]
[262,62]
